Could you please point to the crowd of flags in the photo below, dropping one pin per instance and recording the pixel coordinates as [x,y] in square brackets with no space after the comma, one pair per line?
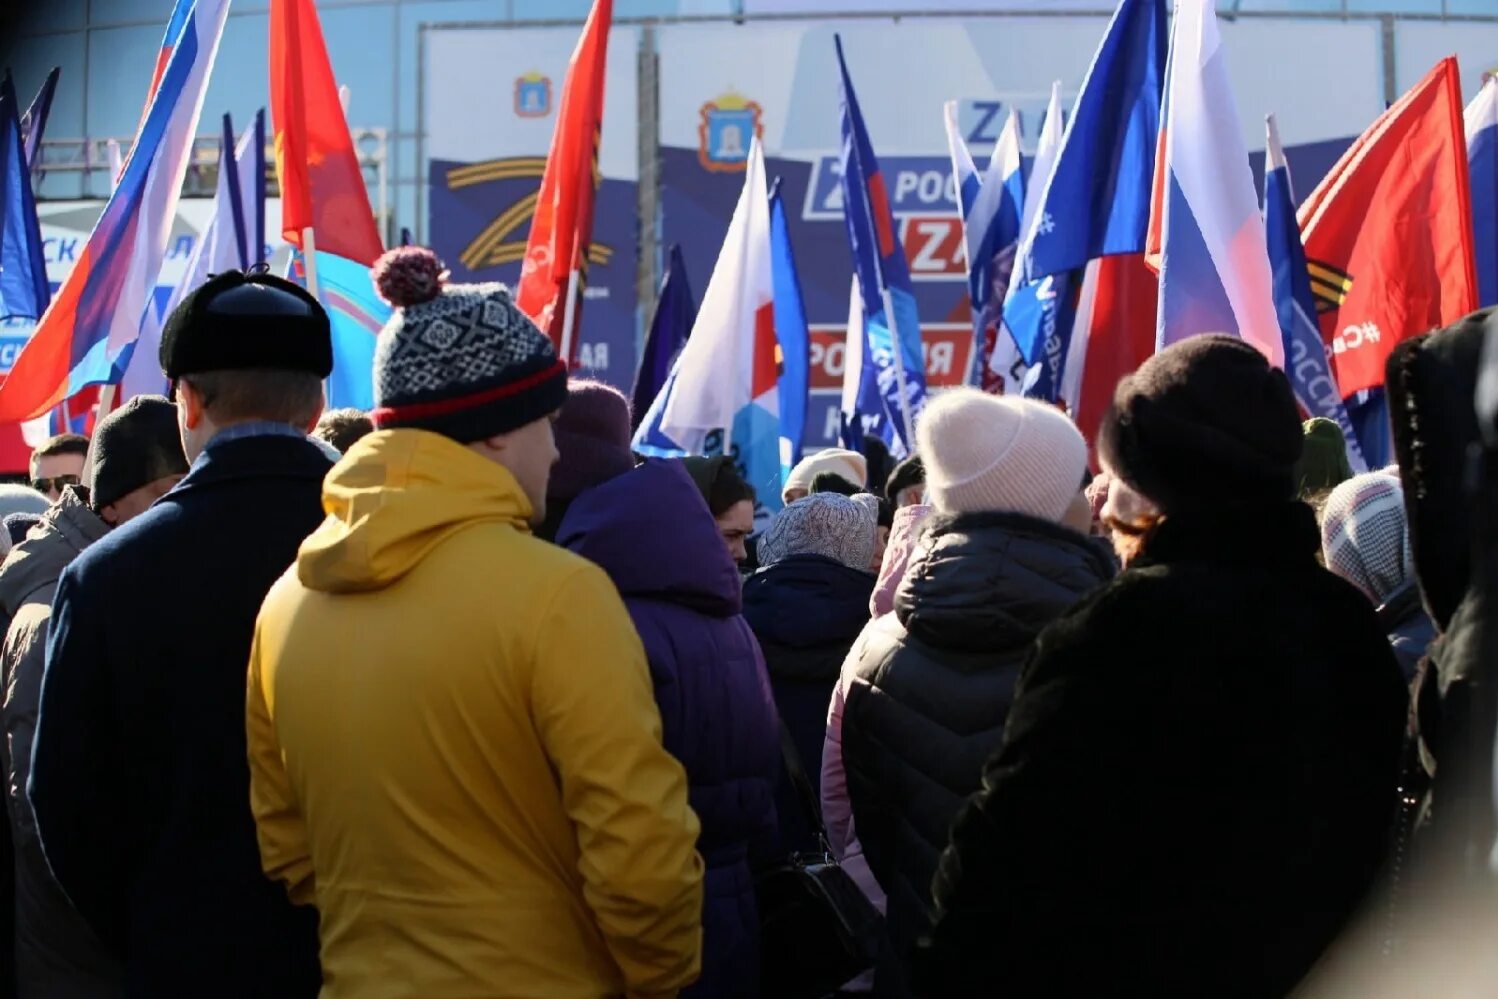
[1136,225]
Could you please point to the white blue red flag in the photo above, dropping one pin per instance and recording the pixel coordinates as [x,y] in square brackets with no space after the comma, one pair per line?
[1306,360]
[1206,237]
[1097,200]
[1482,167]
[223,245]
[723,393]
[892,327]
[95,317]
[991,203]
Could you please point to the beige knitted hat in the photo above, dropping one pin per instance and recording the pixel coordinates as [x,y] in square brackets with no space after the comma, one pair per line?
[999,453]
[849,464]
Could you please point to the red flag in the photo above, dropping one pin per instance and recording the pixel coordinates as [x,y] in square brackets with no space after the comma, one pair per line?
[563,224]
[322,187]
[1113,333]
[1388,233]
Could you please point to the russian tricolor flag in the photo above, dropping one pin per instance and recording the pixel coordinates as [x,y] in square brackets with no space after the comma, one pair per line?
[1206,235]
[1093,212]
[992,203]
[725,378]
[1482,168]
[86,335]
[233,239]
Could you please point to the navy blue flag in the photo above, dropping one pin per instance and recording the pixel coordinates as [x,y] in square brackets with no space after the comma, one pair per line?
[24,292]
[891,323]
[675,312]
[34,121]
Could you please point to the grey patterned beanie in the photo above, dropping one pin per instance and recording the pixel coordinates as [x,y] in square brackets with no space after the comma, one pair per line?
[841,528]
[458,359]
[1365,536]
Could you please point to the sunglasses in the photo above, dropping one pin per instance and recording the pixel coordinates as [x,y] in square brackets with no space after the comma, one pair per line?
[56,483]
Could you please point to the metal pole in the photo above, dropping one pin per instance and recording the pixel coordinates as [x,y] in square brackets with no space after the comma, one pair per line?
[1391,88]
[648,190]
[569,316]
[421,125]
[309,260]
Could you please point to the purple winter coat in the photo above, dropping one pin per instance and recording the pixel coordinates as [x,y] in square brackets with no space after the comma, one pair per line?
[651,531]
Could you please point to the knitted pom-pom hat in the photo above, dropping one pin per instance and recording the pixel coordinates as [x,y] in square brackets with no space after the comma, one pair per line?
[458,359]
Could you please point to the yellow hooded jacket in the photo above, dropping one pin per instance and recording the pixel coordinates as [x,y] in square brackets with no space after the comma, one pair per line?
[455,750]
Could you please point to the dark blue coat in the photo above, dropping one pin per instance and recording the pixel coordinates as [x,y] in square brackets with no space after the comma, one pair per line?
[651,531]
[806,612]
[140,780]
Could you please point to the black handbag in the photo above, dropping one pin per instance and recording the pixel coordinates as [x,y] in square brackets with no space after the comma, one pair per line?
[817,928]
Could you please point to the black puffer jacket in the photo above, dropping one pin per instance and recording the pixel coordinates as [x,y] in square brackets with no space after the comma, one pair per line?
[1195,788]
[932,687]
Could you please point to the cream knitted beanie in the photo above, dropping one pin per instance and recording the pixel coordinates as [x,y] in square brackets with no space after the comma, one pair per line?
[999,453]
[849,464]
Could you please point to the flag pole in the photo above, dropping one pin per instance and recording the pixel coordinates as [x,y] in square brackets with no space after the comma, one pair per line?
[569,317]
[894,333]
[309,260]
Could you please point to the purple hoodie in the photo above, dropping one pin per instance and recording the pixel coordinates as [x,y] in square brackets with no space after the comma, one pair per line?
[651,531]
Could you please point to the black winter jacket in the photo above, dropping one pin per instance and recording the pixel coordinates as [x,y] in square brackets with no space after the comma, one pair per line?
[140,780]
[1196,784]
[932,688]
[806,612]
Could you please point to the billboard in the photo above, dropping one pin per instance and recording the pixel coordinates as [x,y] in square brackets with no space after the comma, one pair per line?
[489,108]
[485,135]
[779,79]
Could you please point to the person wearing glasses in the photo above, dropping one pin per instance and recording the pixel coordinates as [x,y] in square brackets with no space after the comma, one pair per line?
[57,464]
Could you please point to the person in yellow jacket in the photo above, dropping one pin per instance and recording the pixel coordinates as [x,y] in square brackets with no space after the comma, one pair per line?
[454,745]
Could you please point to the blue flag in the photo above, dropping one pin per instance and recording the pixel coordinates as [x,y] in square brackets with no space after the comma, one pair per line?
[675,312]
[1305,353]
[24,292]
[34,121]
[791,334]
[356,313]
[1097,202]
[891,323]
[861,409]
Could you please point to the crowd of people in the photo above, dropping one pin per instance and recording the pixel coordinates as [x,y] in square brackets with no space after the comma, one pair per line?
[460,697]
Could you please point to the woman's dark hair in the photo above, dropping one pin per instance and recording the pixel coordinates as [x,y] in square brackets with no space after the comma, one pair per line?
[831,482]
[728,488]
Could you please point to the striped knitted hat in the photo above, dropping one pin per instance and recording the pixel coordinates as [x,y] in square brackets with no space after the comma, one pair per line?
[459,360]
[1364,535]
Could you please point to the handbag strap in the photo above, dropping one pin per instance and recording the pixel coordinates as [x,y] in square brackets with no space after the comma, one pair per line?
[802,784]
